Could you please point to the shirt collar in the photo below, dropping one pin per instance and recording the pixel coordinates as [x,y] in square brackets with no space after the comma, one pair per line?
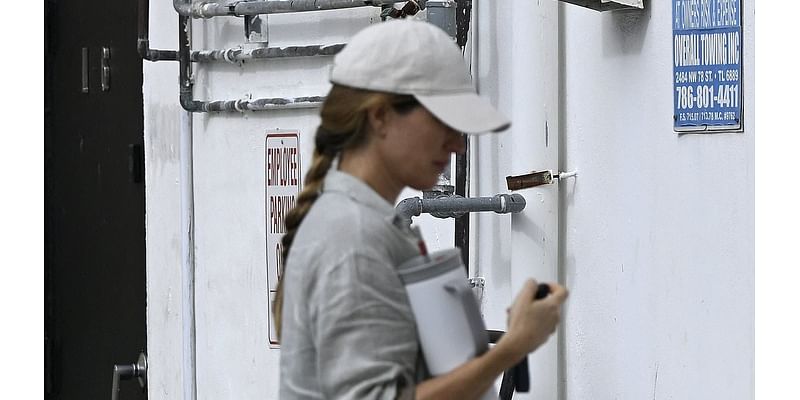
[356,189]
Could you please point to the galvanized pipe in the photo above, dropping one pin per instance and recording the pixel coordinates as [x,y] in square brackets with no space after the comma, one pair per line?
[263,104]
[456,206]
[238,54]
[208,9]
[143,41]
[232,55]
[241,105]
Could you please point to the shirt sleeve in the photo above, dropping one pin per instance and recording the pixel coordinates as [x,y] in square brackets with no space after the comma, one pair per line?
[364,331]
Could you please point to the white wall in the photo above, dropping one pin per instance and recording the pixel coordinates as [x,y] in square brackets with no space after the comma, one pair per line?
[658,228]
[517,69]
[656,233]
[233,357]
[162,206]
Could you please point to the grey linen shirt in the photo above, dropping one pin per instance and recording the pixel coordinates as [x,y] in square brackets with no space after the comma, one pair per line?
[348,331]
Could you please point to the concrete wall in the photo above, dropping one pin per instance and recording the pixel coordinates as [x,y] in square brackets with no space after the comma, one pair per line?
[654,238]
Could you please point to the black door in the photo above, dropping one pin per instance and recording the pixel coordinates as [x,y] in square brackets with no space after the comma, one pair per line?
[94,198]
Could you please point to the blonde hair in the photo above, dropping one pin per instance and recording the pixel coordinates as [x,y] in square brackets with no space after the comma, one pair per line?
[344,126]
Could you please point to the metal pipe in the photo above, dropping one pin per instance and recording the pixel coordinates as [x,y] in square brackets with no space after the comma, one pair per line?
[230,55]
[238,54]
[143,41]
[187,86]
[264,104]
[208,9]
[189,367]
[456,206]
[461,234]
[185,66]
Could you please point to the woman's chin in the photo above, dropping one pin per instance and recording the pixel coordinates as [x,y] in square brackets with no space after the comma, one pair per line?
[425,185]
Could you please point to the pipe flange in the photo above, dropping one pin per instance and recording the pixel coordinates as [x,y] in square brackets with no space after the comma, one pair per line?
[240,105]
[229,55]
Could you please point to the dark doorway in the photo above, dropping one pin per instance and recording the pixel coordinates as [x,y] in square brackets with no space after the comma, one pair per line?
[94,198]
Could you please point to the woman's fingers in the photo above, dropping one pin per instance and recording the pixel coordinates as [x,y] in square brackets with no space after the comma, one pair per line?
[558,293]
[528,291]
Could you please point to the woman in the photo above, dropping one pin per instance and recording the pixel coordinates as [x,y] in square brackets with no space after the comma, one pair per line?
[401,94]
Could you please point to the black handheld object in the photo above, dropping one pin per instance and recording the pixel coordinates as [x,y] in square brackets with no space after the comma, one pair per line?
[520,371]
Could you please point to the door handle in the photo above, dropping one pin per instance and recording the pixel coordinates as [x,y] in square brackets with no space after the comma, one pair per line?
[129,371]
[105,69]
[85,70]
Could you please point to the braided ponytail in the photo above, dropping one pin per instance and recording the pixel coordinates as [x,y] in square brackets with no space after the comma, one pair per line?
[343,127]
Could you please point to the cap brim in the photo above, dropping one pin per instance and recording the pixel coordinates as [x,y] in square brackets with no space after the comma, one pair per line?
[465,112]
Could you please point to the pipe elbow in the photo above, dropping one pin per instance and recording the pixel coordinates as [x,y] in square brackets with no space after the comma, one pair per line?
[142,45]
[190,105]
[410,207]
[183,7]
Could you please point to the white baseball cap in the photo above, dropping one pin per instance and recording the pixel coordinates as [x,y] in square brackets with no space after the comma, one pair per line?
[419,59]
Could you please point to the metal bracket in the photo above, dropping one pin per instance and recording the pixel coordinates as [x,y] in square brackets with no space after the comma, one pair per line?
[256,30]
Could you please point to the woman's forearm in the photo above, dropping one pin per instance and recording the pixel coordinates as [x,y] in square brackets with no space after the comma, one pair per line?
[472,379]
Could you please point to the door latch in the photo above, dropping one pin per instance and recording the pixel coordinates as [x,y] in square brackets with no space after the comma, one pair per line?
[536,178]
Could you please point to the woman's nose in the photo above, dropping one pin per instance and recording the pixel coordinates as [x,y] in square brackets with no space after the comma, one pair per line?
[457,142]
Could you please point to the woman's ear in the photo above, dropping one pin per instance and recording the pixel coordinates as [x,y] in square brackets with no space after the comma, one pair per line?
[378,119]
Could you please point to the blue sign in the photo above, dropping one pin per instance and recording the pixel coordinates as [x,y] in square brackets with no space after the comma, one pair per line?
[707,57]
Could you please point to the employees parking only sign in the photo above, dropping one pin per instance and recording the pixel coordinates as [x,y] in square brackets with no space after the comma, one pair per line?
[707,56]
[282,167]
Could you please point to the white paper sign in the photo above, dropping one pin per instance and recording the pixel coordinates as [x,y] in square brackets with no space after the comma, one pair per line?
[282,167]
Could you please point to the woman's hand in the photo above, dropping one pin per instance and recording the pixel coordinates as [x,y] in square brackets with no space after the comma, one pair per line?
[531,322]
